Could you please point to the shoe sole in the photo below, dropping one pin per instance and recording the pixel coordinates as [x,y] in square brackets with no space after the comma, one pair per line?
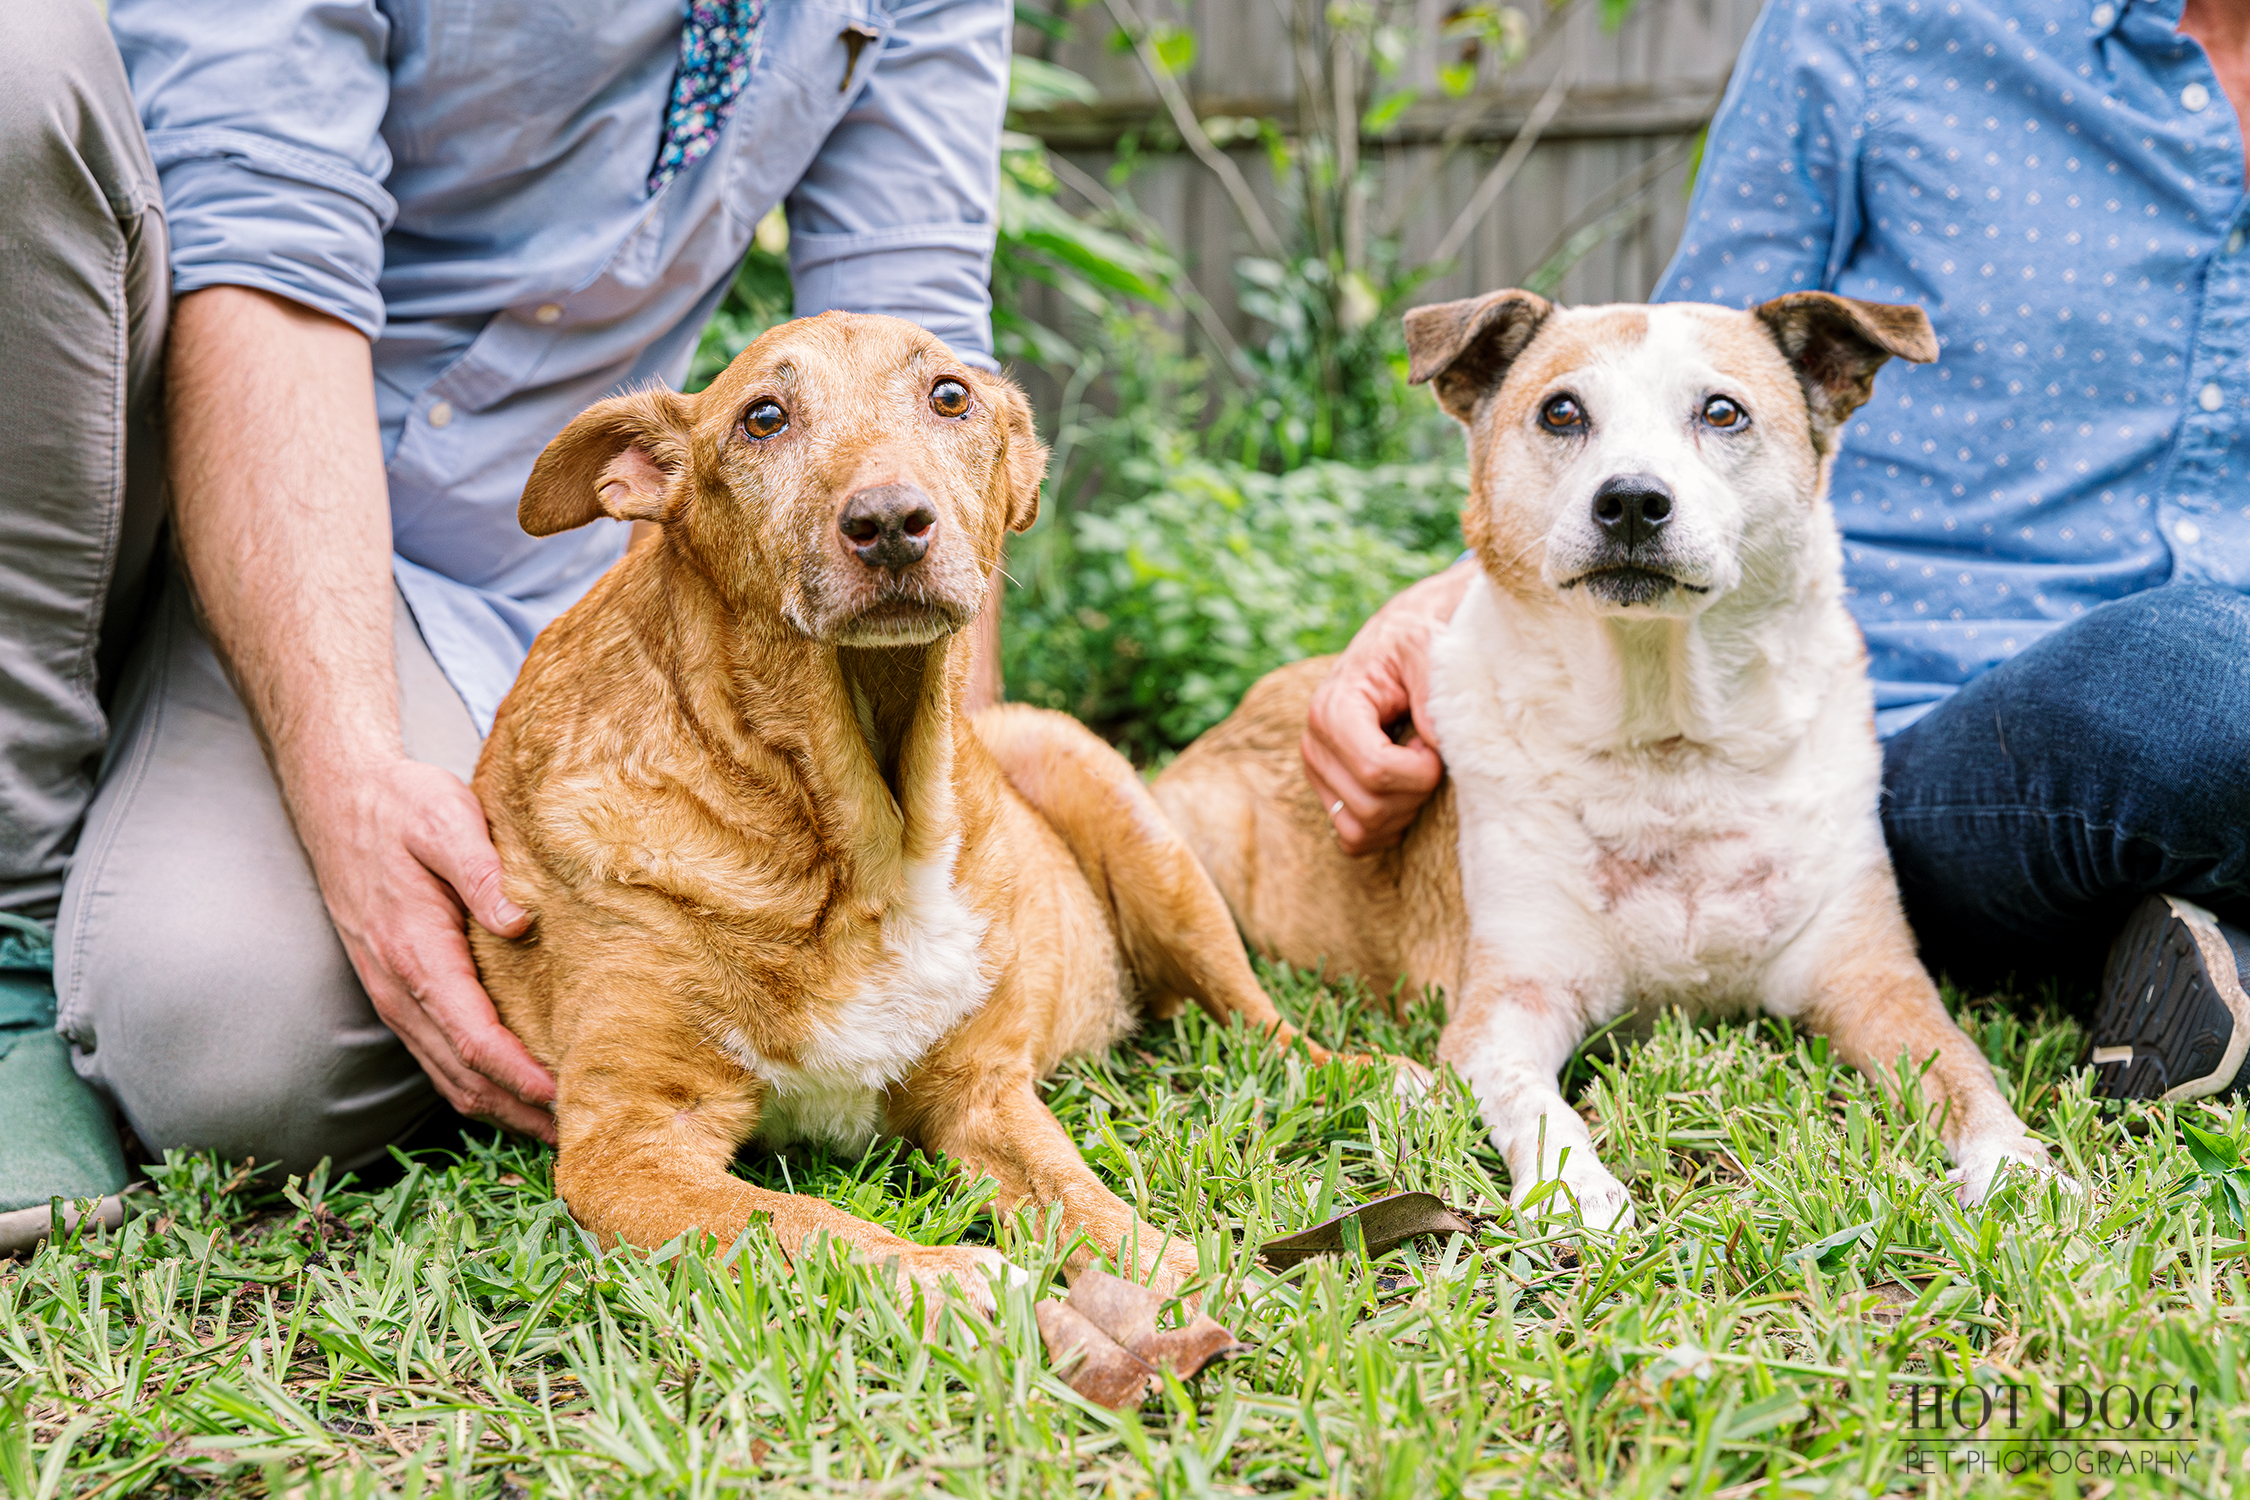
[2174,1021]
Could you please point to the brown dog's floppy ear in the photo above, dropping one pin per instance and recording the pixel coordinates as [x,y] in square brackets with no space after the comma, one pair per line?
[617,458]
[1836,344]
[1467,346]
[1027,456]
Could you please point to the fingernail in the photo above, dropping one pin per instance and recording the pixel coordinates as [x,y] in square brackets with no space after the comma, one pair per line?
[510,913]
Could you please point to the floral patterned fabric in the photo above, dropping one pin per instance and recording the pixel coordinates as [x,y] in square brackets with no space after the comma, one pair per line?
[718,48]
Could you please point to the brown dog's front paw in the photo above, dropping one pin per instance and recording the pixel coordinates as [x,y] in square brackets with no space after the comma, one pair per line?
[961,1274]
[1179,1267]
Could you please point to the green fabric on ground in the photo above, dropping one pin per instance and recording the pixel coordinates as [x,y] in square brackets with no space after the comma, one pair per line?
[58,1135]
[60,1140]
[27,986]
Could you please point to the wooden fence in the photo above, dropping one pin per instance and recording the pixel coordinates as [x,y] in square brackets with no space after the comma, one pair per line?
[1618,112]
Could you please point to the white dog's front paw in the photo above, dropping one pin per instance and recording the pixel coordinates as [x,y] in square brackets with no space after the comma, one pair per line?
[1411,1081]
[1601,1200]
[1981,1161]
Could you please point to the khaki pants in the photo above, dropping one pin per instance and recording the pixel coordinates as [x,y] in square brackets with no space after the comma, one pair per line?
[201,984]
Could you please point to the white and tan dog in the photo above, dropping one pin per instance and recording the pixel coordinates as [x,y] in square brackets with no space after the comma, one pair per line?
[1655,715]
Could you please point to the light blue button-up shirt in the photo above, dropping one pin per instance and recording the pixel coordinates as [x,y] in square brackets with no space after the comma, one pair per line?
[2060,183]
[468,185]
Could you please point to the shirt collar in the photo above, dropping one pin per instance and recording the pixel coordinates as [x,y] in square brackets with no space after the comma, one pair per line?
[2104,16]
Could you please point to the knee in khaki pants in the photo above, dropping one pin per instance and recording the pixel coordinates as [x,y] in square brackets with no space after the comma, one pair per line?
[201,980]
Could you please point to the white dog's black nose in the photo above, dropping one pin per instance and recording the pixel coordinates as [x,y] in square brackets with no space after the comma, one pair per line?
[889,525]
[1631,508]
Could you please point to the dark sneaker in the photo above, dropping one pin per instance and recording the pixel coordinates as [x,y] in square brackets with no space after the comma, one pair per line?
[2174,1020]
[60,1142]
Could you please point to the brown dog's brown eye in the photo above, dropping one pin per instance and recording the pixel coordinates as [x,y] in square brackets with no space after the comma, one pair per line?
[949,398]
[764,419]
[1562,414]
[1720,412]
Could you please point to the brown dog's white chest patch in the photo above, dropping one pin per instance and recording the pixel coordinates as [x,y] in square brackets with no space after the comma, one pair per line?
[930,977]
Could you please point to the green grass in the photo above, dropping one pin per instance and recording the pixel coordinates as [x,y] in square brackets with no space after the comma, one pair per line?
[1799,1266]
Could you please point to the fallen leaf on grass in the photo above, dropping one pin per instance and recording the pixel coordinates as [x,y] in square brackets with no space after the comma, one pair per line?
[1104,1340]
[1381,1225]
[1092,1363]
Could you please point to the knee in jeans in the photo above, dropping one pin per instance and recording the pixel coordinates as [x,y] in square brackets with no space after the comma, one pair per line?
[2157,691]
[2178,623]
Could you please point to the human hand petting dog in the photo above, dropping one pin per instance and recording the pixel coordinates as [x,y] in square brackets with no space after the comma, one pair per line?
[283,515]
[1372,786]
[402,852]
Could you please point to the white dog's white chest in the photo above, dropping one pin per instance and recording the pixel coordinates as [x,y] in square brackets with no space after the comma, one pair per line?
[1691,915]
[931,978]
[1679,872]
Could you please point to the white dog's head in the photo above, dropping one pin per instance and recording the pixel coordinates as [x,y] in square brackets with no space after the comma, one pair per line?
[1647,460]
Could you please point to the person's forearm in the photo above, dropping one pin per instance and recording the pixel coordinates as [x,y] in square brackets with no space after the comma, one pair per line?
[283,517]
[284,520]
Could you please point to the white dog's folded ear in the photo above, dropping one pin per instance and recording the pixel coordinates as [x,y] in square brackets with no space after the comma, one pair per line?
[1836,344]
[1467,346]
[620,458]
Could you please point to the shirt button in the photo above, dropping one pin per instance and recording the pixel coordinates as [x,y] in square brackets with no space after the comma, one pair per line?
[2104,14]
[2210,398]
[2195,96]
[441,414]
[2188,532]
[2234,242]
[549,312]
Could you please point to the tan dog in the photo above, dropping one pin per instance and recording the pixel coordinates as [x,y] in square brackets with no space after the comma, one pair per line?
[1653,706]
[781,887]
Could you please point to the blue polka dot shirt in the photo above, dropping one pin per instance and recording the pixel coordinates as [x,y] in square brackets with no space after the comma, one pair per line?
[2060,184]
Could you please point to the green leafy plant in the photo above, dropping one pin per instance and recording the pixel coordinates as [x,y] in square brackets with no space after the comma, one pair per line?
[1149,620]
[2220,1176]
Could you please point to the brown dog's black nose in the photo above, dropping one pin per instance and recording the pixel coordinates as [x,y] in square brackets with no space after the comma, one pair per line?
[889,525]
[1632,507]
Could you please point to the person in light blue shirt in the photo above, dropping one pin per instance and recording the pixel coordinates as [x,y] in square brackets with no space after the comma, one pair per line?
[333,273]
[2047,531]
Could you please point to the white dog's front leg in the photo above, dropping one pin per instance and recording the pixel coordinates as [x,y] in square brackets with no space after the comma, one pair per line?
[1867,992]
[1510,1040]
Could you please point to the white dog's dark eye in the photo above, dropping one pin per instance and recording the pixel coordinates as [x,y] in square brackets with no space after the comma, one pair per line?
[764,419]
[1721,412]
[949,398]
[1562,414]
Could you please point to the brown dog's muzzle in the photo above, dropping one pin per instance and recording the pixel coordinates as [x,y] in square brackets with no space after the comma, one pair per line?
[889,525]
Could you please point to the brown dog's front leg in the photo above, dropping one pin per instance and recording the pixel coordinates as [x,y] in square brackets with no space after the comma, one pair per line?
[1179,939]
[1000,1128]
[647,1135]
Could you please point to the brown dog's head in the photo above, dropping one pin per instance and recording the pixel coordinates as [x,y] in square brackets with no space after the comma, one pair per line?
[1650,460]
[847,472]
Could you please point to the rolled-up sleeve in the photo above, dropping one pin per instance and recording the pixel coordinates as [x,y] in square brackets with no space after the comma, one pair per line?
[1776,206]
[265,121]
[896,214]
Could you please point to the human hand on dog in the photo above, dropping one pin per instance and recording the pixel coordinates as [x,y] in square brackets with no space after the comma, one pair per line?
[402,851]
[1371,786]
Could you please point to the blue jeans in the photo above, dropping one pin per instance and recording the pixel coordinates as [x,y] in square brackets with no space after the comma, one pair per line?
[2030,812]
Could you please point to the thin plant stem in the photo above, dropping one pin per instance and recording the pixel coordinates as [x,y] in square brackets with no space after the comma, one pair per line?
[1192,132]
[1503,171]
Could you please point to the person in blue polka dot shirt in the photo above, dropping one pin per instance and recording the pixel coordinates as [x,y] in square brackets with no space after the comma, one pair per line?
[2047,531]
